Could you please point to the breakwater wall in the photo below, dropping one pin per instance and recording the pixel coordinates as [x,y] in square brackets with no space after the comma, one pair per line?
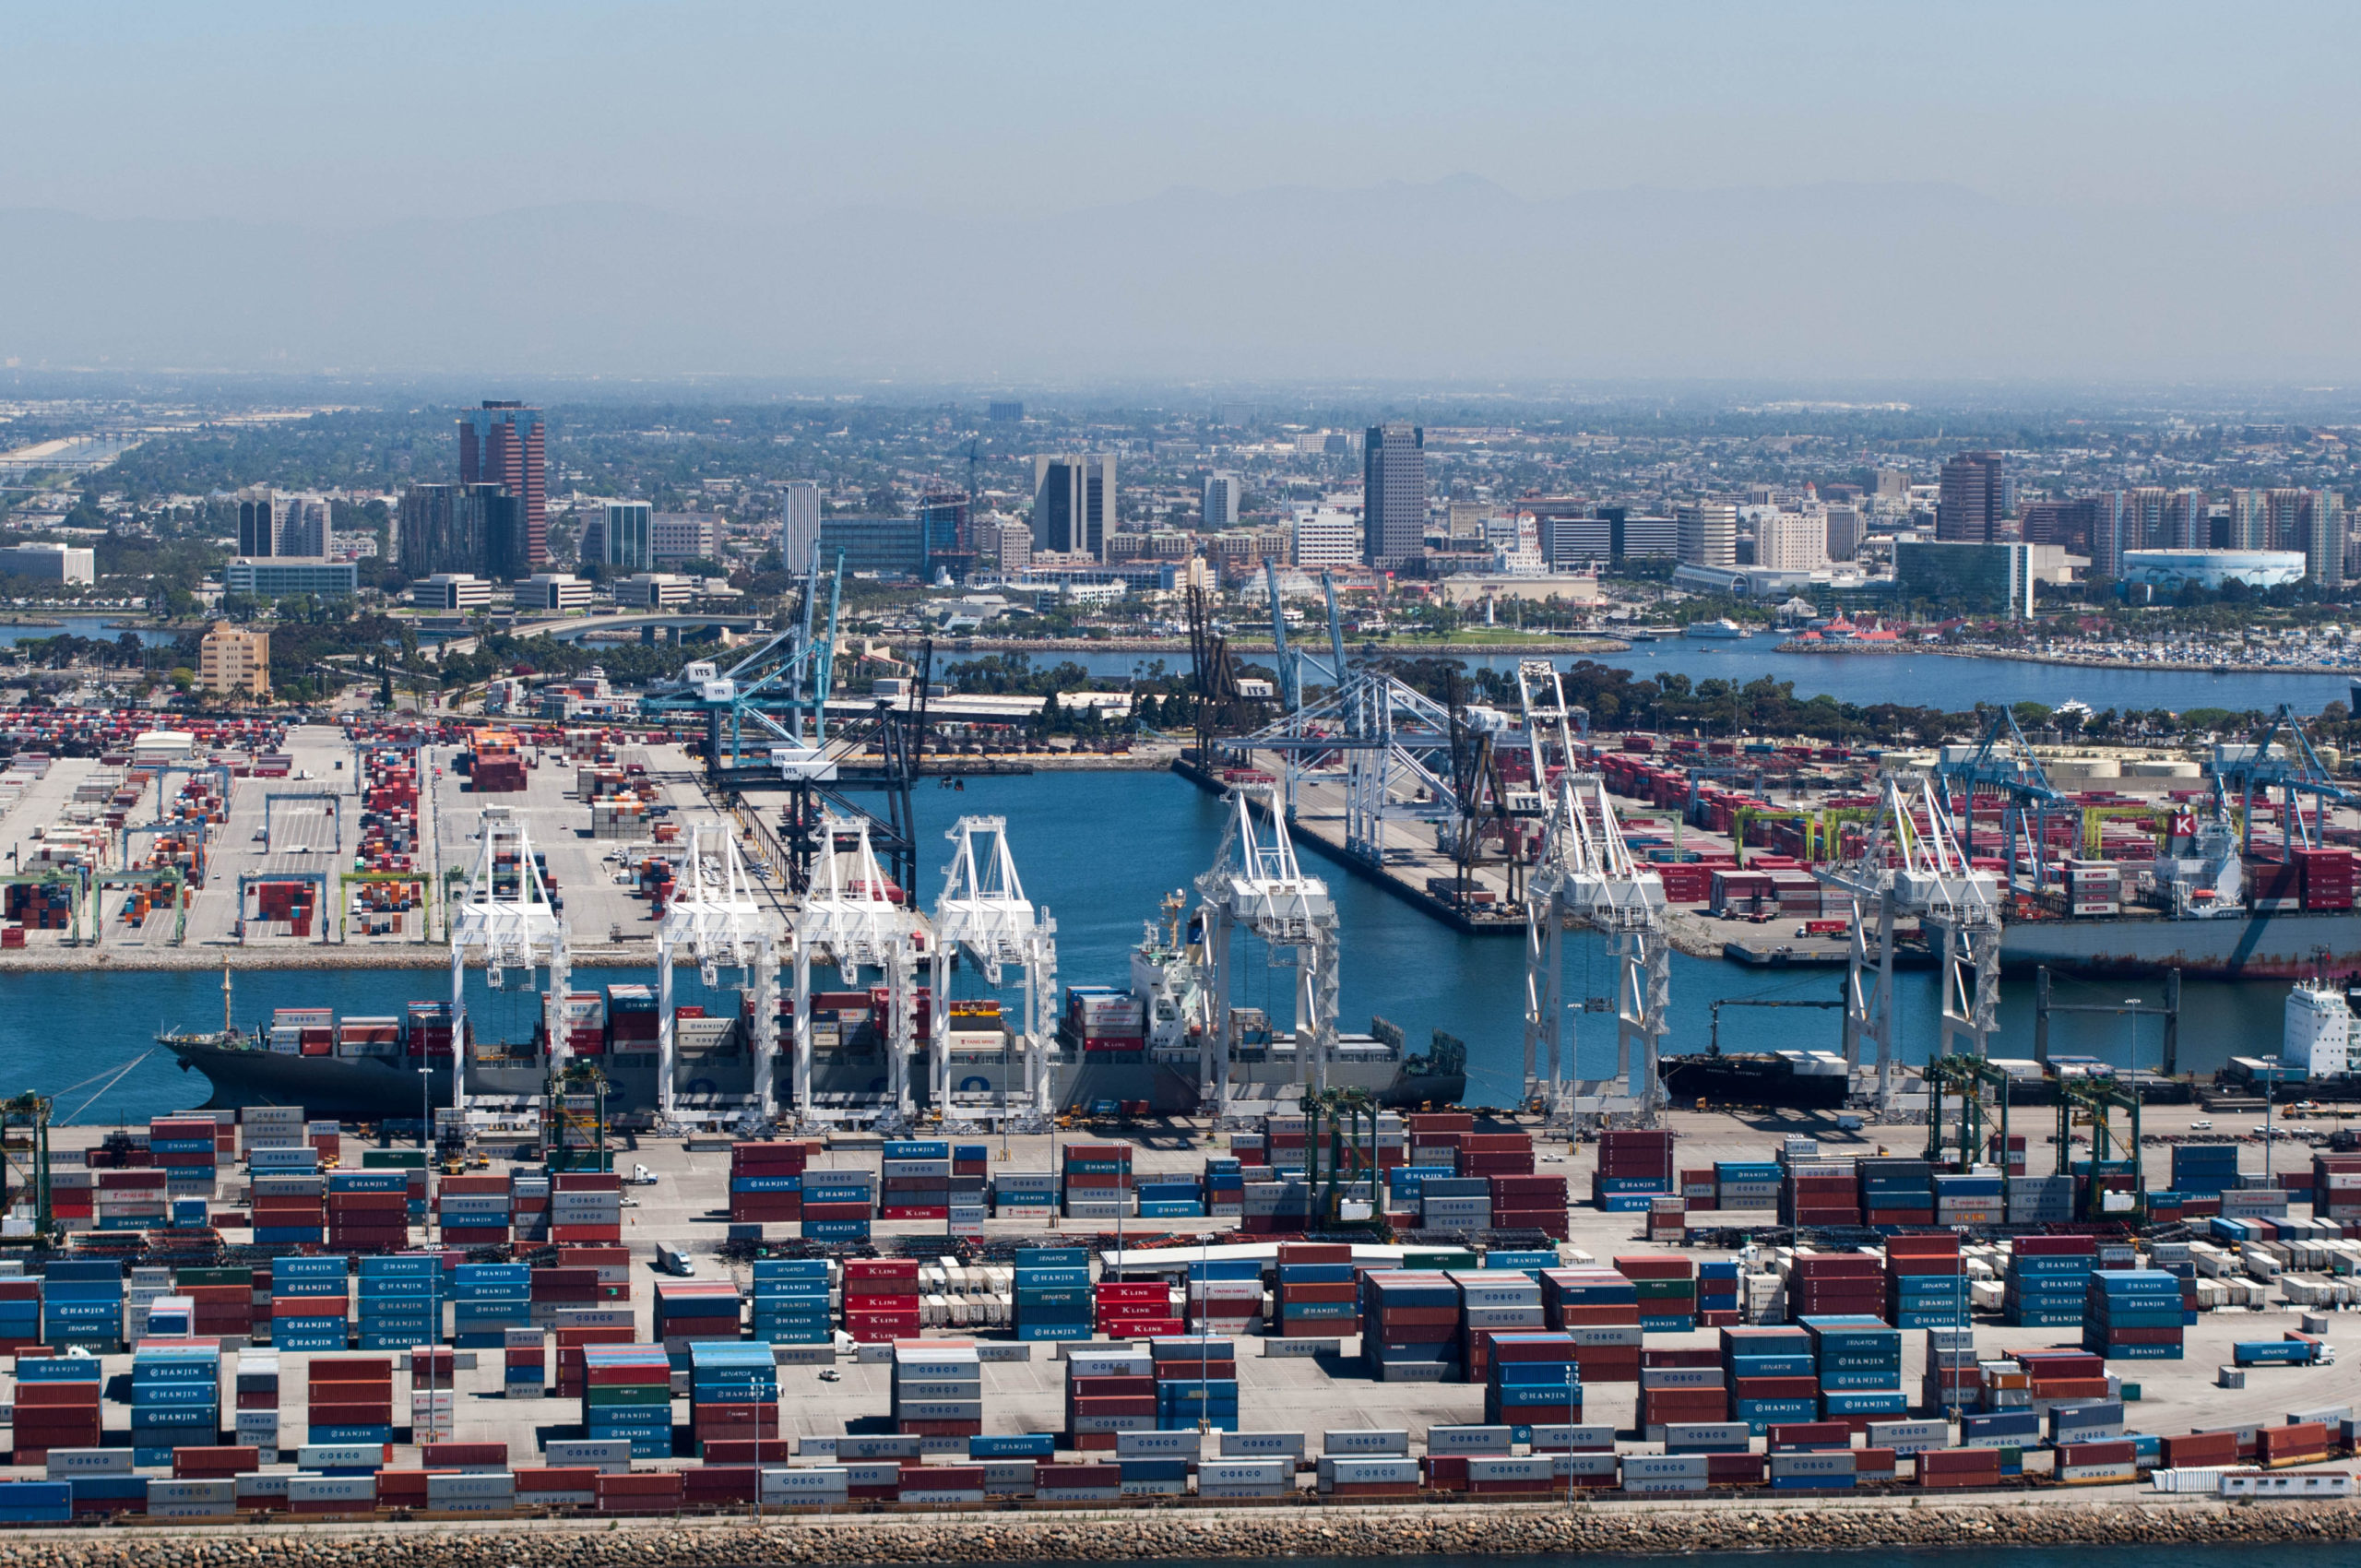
[1628,1528]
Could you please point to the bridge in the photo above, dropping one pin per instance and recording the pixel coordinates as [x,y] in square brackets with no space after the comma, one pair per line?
[567,629]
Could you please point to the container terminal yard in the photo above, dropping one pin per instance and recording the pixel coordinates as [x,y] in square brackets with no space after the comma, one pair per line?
[882,1248]
[1158,1314]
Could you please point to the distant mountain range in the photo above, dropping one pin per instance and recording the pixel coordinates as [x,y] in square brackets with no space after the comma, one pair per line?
[1458,280]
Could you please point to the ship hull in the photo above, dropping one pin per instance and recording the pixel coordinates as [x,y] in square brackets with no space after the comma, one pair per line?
[365,1088]
[1748,1080]
[374,1088]
[2261,946]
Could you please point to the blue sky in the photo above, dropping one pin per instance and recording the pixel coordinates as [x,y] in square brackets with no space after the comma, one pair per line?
[1050,191]
[350,114]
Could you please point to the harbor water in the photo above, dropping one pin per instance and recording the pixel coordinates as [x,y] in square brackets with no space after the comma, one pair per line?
[1911,679]
[1102,850]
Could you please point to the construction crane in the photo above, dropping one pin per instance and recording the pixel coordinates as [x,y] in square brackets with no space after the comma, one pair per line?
[716,916]
[1256,882]
[2251,772]
[1906,869]
[512,922]
[1588,874]
[1222,708]
[984,912]
[849,920]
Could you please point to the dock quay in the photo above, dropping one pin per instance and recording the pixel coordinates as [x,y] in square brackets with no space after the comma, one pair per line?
[1409,868]
[1371,1442]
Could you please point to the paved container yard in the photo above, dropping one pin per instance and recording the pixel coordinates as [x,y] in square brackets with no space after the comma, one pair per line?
[684,1206]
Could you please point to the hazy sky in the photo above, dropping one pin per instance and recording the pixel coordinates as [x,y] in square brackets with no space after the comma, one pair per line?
[2093,190]
[355,113]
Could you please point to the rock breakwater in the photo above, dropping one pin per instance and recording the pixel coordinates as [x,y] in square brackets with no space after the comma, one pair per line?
[1632,1528]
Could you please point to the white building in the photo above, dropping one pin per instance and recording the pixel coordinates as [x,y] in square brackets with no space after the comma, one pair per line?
[553,590]
[1327,536]
[51,562]
[798,524]
[1223,493]
[653,590]
[1791,541]
[2169,569]
[1707,533]
[450,591]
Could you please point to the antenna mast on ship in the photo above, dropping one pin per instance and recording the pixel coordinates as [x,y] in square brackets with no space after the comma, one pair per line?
[228,1027]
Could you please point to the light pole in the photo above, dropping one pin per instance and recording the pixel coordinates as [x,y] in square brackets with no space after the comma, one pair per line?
[426,1101]
[2131,1018]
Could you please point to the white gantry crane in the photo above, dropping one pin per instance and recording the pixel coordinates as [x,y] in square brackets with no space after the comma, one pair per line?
[984,913]
[716,918]
[850,921]
[512,922]
[1256,882]
[1588,874]
[1910,863]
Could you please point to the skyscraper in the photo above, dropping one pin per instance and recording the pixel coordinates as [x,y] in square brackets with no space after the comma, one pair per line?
[1707,532]
[1073,503]
[426,524]
[798,524]
[502,444]
[1222,493]
[1973,498]
[262,521]
[1393,494]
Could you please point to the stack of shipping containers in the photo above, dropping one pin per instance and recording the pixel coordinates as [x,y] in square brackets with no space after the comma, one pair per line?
[627,1397]
[790,1305]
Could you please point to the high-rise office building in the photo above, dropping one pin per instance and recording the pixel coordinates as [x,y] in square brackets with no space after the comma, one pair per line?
[1073,503]
[1973,498]
[945,536]
[798,524]
[502,444]
[626,536]
[426,523]
[1706,533]
[1844,533]
[261,520]
[1393,494]
[1223,493]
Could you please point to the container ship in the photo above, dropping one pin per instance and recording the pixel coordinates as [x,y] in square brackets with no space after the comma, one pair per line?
[2203,907]
[1129,1047]
[1794,1080]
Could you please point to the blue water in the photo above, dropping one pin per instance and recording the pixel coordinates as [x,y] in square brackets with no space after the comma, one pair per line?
[1918,680]
[97,628]
[1099,851]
